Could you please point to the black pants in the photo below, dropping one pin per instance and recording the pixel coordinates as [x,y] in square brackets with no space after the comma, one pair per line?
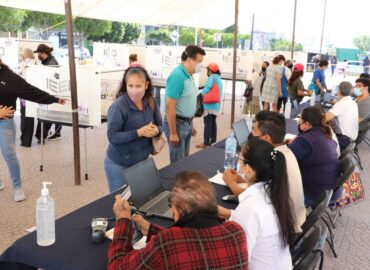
[210,129]
[281,100]
[27,126]
[47,127]
[343,141]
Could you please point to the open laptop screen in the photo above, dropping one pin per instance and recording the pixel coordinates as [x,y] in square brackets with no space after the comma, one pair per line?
[143,180]
[241,131]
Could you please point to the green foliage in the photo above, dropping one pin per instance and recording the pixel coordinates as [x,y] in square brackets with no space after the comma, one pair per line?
[11,19]
[362,42]
[161,34]
[91,27]
[131,33]
[284,45]
[45,23]
[187,36]
[113,36]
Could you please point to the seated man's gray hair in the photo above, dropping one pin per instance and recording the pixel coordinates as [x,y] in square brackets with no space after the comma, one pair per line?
[193,194]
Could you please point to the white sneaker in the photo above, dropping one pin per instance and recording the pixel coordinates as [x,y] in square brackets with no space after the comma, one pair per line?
[19,195]
[1,185]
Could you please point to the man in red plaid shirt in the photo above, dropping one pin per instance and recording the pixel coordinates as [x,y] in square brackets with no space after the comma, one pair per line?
[197,240]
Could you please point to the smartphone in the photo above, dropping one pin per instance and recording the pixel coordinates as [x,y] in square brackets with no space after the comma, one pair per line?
[231,198]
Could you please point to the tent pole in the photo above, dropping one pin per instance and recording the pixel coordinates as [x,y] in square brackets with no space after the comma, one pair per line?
[252,33]
[234,61]
[322,29]
[293,35]
[73,83]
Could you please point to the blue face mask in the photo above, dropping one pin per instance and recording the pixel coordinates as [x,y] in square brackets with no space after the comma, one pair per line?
[357,92]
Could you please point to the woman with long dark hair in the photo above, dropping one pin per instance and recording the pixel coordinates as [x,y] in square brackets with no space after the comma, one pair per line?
[133,120]
[265,208]
[316,153]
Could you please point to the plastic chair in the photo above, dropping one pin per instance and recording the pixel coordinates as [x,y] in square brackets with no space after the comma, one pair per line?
[309,252]
[350,149]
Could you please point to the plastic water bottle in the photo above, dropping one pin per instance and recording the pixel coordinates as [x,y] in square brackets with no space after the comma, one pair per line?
[45,218]
[230,152]
[288,109]
[249,121]
[313,98]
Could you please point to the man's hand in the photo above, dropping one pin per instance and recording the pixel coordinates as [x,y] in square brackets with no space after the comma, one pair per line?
[121,208]
[143,224]
[6,112]
[232,177]
[174,139]
[193,132]
[62,101]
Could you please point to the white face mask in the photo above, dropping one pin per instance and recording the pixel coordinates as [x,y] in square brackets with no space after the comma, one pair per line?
[198,67]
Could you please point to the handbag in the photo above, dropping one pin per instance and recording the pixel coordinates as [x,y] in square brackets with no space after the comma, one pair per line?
[353,191]
[158,142]
[248,92]
[213,96]
[199,109]
[313,87]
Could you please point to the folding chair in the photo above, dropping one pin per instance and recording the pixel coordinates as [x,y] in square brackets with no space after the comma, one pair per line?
[317,212]
[363,130]
[348,151]
[309,252]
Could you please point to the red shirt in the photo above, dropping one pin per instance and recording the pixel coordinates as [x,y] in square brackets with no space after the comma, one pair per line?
[215,247]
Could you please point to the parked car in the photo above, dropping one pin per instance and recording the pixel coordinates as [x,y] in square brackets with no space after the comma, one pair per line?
[85,53]
[354,67]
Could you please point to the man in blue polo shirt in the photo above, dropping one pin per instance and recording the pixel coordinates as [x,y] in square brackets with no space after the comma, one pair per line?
[181,95]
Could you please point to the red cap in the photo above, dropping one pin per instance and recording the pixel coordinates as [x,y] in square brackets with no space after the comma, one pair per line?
[213,67]
[298,67]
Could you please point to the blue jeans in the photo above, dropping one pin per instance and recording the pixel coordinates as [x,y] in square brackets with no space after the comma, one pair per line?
[7,146]
[114,174]
[210,129]
[181,150]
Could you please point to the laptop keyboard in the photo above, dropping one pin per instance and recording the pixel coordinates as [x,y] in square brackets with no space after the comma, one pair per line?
[160,207]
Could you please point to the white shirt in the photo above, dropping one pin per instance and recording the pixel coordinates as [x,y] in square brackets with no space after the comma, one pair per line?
[257,216]
[295,186]
[346,112]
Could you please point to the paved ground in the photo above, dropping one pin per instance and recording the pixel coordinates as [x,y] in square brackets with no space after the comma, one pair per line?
[352,237]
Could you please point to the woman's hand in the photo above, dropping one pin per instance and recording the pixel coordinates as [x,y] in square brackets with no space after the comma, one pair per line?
[148,131]
[6,112]
[223,212]
[232,176]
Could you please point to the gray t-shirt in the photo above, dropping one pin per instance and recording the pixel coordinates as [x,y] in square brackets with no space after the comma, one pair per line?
[364,108]
[293,89]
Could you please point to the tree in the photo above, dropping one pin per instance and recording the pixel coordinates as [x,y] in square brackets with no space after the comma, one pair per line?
[284,45]
[43,22]
[11,19]
[187,36]
[90,27]
[162,35]
[113,36]
[362,42]
[131,33]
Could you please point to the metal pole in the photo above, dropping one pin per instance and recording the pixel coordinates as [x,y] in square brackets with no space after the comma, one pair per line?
[322,29]
[196,36]
[293,35]
[73,82]
[234,61]
[252,33]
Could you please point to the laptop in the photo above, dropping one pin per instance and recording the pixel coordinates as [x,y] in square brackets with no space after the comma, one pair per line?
[147,192]
[241,131]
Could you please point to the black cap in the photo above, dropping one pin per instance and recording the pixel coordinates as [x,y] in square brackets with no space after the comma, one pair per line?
[43,48]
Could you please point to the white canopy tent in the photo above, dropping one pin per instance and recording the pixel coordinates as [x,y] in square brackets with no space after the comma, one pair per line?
[213,14]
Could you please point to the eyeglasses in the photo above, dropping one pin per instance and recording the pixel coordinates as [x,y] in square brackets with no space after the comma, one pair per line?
[244,162]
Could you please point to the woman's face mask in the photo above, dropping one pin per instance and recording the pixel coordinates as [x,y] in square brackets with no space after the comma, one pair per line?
[136,87]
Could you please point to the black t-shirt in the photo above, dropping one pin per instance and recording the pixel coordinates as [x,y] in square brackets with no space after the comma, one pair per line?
[293,89]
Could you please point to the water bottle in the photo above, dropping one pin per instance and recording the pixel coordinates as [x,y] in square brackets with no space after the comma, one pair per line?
[249,121]
[313,98]
[45,218]
[230,152]
[288,109]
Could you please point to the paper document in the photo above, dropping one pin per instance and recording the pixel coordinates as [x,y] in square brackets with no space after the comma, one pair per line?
[290,136]
[138,245]
[217,179]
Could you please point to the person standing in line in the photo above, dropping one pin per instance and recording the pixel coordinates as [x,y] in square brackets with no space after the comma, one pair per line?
[133,120]
[318,80]
[211,110]
[272,86]
[286,73]
[181,95]
[12,86]
[333,64]
[366,64]
[27,123]
[47,59]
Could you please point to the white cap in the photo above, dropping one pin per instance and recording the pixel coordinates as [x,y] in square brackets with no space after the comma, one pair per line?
[45,191]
